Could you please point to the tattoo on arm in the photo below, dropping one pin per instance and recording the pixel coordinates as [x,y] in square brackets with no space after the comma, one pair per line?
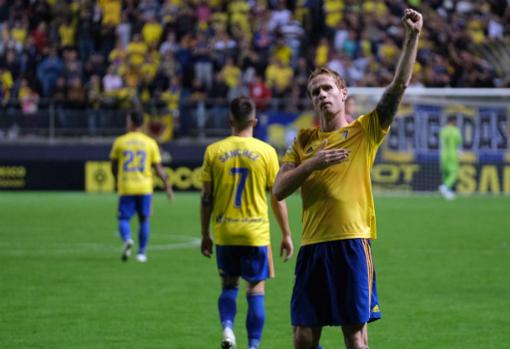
[388,105]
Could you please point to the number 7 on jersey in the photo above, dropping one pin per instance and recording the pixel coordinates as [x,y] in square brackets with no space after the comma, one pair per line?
[243,172]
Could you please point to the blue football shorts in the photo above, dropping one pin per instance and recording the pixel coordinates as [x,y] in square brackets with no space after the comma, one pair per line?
[252,263]
[131,204]
[335,285]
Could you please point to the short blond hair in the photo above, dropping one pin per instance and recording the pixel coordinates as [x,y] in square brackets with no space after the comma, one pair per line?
[339,80]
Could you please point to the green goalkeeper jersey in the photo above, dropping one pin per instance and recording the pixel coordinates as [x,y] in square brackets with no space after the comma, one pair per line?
[451,140]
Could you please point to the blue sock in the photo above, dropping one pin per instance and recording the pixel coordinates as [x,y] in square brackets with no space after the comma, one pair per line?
[227,305]
[143,234]
[124,229]
[319,346]
[255,319]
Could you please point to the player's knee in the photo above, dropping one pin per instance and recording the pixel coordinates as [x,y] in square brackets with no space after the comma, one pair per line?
[355,336]
[143,218]
[230,282]
[303,339]
[255,288]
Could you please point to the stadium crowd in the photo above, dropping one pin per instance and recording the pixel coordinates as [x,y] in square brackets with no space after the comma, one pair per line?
[197,55]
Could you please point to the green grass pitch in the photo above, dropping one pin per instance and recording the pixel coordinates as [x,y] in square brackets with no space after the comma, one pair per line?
[443,272]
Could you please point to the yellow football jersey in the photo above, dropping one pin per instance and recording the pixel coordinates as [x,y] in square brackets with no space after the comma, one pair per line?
[136,153]
[337,201]
[240,169]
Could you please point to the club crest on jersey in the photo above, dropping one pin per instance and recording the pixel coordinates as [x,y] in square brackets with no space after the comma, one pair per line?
[345,134]
[312,147]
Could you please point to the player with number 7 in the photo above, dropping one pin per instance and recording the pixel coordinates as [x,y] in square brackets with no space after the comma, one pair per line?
[236,173]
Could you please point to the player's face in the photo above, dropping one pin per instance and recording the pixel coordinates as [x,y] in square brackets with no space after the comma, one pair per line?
[327,97]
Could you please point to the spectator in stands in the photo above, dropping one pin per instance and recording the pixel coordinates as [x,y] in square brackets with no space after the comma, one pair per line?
[167,68]
[124,29]
[19,31]
[260,93]
[40,36]
[152,31]
[263,40]
[292,33]
[197,116]
[112,84]
[96,65]
[203,13]
[9,42]
[76,103]
[94,98]
[279,79]
[29,100]
[237,90]
[185,21]
[58,98]
[169,45]
[118,55]
[133,17]
[49,71]
[335,63]
[72,65]
[280,16]
[218,104]
[281,51]
[333,13]
[183,57]
[202,59]
[67,33]
[301,76]
[322,53]
[149,8]
[86,33]
[240,25]
[231,73]
[223,47]
[11,64]
[249,59]
[136,51]
[172,97]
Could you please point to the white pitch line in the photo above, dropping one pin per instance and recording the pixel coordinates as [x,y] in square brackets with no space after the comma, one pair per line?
[178,246]
[87,247]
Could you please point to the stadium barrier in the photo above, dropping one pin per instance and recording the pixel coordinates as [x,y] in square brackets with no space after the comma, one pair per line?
[406,162]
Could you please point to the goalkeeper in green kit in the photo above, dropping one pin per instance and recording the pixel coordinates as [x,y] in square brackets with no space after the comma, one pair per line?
[450,141]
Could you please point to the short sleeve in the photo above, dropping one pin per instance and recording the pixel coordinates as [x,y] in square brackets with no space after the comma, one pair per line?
[206,174]
[156,153]
[292,154]
[372,127]
[114,153]
[272,167]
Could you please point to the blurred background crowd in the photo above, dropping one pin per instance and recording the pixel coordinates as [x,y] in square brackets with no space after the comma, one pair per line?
[81,59]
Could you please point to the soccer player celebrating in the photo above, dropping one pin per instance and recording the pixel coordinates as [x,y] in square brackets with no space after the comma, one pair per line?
[133,156]
[449,140]
[335,277]
[237,171]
